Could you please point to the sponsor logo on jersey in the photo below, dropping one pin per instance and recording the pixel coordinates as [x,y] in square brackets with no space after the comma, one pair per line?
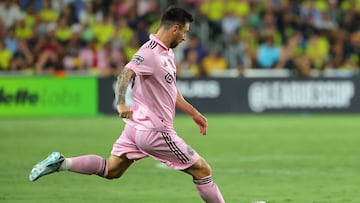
[137,59]
[169,78]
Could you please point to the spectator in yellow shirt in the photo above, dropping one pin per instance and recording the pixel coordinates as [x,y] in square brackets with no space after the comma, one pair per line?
[63,31]
[124,33]
[214,64]
[46,14]
[22,31]
[317,50]
[5,57]
[213,10]
[104,31]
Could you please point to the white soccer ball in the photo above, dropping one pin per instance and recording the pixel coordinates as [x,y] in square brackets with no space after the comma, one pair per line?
[258,201]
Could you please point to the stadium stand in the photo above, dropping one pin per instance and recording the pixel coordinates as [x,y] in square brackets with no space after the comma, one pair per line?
[255,38]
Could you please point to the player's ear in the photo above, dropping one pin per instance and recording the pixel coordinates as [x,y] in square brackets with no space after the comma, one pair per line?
[175,28]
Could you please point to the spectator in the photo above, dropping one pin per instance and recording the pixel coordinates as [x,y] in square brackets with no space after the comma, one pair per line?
[268,54]
[124,33]
[354,48]
[59,5]
[104,30]
[214,64]
[11,42]
[5,56]
[23,58]
[351,4]
[30,17]
[88,56]
[63,31]
[350,20]
[252,36]
[189,67]
[146,6]
[325,22]
[123,8]
[337,53]
[2,29]
[69,13]
[109,61]
[195,44]
[253,18]
[86,33]
[49,54]
[22,31]
[240,8]
[9,12]
[46,14]
[142,32]
[91,14]
[230,24]
[132,47]
[77,6]
[237,55]
[317,50]
[213,12]
[72,46]
[293,56]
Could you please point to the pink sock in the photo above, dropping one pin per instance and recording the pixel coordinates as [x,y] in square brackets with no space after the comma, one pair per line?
[208,190]
[89,164]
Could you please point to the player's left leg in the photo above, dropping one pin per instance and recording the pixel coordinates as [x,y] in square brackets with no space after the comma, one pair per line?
[170,149]
[202,177]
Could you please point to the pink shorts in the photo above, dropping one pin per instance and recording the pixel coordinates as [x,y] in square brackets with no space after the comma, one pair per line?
[166,147]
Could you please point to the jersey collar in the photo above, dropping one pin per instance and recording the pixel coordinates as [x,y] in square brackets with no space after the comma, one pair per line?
[153,37]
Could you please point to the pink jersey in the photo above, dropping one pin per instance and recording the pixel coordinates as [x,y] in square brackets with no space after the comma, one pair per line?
[154,89]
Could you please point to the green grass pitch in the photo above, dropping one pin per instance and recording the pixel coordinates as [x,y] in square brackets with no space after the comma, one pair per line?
[276,158]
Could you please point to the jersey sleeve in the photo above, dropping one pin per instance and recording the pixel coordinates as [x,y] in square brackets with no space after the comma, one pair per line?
[142,63]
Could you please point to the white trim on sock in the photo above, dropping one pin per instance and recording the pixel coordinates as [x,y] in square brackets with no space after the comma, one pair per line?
[66,165]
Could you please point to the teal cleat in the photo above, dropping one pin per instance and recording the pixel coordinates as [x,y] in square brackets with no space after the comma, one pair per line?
[47,166]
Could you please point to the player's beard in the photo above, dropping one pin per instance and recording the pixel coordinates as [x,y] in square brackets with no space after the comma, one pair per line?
[174,44]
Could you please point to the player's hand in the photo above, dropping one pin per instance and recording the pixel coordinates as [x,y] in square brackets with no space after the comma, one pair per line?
[201,121]
[124,111]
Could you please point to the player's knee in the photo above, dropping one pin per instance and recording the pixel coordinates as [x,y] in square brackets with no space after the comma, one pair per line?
[200,169]
[205,168]
[117,167]
[114,174]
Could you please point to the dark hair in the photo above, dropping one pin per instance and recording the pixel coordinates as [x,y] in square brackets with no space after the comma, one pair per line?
[175,15]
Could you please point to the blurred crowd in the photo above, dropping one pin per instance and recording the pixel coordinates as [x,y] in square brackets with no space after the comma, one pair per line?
[228,37]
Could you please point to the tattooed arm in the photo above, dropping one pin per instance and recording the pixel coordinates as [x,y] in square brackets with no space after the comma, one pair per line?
[122,83]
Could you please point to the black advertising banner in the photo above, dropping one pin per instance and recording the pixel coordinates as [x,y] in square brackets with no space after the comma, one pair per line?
[260,95]
[106,96]
[303,95]
[107,99]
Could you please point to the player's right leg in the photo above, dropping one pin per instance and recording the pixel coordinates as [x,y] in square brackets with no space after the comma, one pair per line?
[114,167]
[47,166]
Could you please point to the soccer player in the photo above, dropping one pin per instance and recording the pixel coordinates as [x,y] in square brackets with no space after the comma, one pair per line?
[148,131]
